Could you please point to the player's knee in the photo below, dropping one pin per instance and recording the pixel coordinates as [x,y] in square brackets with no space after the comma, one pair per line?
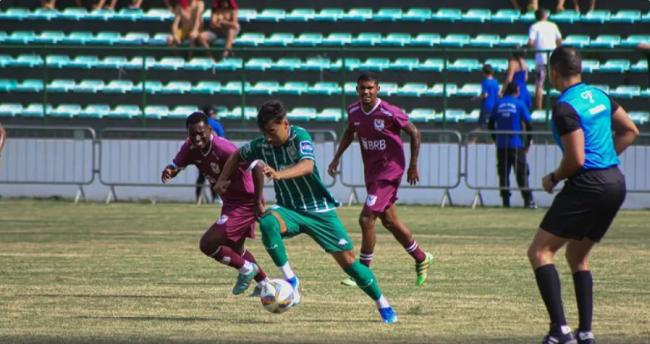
[389,223]
[537,255]
[209,243]
[577,262]
[269,225]
[366,221]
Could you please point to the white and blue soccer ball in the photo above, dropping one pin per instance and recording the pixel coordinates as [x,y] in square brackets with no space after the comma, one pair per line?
[277,296]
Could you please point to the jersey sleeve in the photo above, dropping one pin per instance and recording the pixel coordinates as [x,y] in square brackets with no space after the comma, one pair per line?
[532,33]
[484,87]
[305,146]
[565,118]
[525,114]
[250,151]
[400,118]
[182,158]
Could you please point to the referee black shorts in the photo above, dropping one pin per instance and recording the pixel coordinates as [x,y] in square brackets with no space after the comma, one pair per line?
[587,205]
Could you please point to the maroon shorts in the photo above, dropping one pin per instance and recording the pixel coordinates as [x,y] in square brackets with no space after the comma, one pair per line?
[236,222]
[382,194]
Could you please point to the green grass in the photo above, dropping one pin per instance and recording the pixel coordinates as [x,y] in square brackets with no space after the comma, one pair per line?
[132,273]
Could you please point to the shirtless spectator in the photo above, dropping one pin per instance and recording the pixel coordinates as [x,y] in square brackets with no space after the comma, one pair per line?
[223,22]
[187,24]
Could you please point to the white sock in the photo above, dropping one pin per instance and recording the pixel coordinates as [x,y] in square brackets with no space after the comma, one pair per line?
[287,272]
[382,302]
[246,269]
[262,283]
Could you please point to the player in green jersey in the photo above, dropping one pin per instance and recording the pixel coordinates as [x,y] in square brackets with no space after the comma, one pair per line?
[304,205]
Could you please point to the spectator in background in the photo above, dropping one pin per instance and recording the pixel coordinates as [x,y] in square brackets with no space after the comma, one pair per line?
[51,4]
[223,22]
[592,5]
[510,114]
[534,5]
[3,138]
[518,73]
[488,97]
[211,112]
[187,24]
[543,35]
[515,4]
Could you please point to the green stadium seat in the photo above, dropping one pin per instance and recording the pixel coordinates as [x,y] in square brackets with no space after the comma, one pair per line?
[388,14]
[206,87]
[578,41]
[259,64]
[118,86]
[597,16]
[83,61]
[438,89]
[134,38]
[89,86]
[337,39]
[412,89]
[376,64]
[590,66]
[250,39]
[605,41]
[528,17]
[279,39]
[325,88]
[464,65]
[169,63]
[158,39]
[328,115]
[156,111]
[405,63]
[25,60]
[425,39]
[422,115]
[626,16]
[351,64]
[316,63]
[271,15]
[387,89]
[150,87]
[106,38]
[514,40]
[329,14]
[350,88]
[453,115]
[161,15]
[296,88]
[10,109]
[472,117]
[137,63]
[8,85]
[129,14]
[66,111]
[287,64]
[100,15]
[485,40]
[447,15]
[14,13]
[95,111]
[198,63]
[303,114]
[538,116]
[61,86]
[125,111]
[30,86]
[639,117]
[646,18]
[300,15]
[42,14]
[36,110]
[3,35]
[177,87]
[417,15]
[634,40]
[432,65]
[235,113]
[244,15]
[625,92]
[358,14]
[308,39]
[229,64]
[506,16]
[112,62]
[568,16]
[455,40]
[235,87]
[78,38]
[20,37]
[469,90]
[264,87]
[476,15]
[48,37]
[499,65]
[367,39]
[615,66]
[605,88]
[182,111]
[640,67]
[396,39]
[57,61]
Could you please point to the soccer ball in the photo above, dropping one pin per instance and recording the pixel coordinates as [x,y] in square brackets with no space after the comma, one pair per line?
[277,296]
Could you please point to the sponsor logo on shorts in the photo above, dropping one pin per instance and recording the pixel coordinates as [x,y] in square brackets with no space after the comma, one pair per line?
[379,124]
[222,219]
[371,200]
[306,147]
[342,242]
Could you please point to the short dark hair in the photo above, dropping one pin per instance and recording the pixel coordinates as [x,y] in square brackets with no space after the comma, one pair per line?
[367,76]
[272,110]
[517,55]
[487,69]
[195,118]
[511,88]
[566,60]
[540,14]
[208,109]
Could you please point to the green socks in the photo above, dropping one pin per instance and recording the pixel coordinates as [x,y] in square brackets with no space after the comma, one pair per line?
[365,279]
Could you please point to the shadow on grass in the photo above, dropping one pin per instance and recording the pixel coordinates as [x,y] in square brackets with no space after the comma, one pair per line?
[109,296]
[219,320]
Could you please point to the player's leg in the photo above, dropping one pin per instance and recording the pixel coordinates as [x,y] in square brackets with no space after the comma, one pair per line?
[367,221]
[261,278]
[423,260]
[200,180]
[521,173]
[503,170]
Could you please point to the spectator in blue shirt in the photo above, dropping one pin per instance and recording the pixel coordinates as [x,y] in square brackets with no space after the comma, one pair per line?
[211,112]
[489,95]
[511,114]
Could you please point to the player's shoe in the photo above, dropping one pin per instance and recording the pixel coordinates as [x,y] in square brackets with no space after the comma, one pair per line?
[244,280]
[295,283]
[559,339]
[585,337]
[388,315]
[256,292]
[349,282]
[422,268]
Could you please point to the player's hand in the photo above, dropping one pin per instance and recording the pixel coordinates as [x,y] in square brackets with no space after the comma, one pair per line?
[259,211]
[168,173]
[548,184]
[334,165]
[221,186]
[270,173]
[413,175]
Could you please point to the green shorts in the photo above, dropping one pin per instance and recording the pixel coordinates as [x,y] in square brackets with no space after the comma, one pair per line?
[325,228]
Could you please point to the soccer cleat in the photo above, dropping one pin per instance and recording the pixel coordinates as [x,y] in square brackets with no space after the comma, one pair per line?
[559,339]
[422,268]
[585,337]
[244,281]
[388,315]
[256,292]
[349,282]
[531,205]
[295,283]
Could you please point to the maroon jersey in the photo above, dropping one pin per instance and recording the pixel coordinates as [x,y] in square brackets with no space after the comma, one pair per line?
[378,131]
[211,161]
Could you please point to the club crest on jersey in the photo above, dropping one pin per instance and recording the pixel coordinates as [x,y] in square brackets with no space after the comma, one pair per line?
[371,200]
[222,219]
[306,147]
[379,124]
[292,152]
[215,168]
[247,148]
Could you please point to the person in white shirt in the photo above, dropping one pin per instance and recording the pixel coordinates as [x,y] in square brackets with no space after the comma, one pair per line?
[543,35]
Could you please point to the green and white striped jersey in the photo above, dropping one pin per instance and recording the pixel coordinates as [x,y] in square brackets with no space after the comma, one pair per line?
[306,193]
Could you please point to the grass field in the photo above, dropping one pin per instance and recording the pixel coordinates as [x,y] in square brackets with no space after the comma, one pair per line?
[132,273]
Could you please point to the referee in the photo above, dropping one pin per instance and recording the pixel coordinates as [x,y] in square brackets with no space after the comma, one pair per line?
[582,124]
[211,112]
[511,114]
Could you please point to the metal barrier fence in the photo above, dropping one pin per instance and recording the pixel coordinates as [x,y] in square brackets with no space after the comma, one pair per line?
[49,156]
[437,146]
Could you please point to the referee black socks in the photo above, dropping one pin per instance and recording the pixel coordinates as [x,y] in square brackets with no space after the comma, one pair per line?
[584,285]
[548,282]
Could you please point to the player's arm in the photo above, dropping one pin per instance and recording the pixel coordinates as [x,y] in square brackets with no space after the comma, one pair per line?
[413,174]
[305,166]
[258,181]
[625,131]
[177,165]
[346,141]
[170,172]
[234,160]
[568,126]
